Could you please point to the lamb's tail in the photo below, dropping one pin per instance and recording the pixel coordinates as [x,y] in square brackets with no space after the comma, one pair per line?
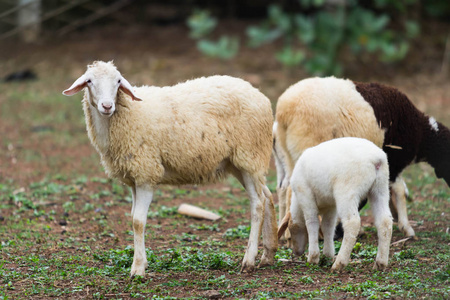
[380,163]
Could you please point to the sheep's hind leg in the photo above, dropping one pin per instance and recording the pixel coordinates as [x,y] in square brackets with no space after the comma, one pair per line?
[133,197]
[328,225]
[255,194]
[351,223]
[269,223]
[281,193]
[270,241]
[312,225]
[144,195]
[383,223]
[282,162]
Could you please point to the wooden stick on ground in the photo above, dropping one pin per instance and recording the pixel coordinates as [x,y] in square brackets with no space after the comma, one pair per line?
[197,212]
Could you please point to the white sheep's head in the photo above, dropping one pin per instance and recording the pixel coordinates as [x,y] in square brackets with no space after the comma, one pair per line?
[103,81]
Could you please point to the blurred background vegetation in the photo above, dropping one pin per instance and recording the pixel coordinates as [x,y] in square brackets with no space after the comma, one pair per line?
[315,35]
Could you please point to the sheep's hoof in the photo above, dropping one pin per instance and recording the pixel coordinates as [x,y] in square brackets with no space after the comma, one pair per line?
[135,273]
[247,268]
[313,258]
[265,261]
[408,231]
[337,266]
[138,270]
[298,252]
[381,266]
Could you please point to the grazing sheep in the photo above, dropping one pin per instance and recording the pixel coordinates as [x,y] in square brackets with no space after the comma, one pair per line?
[331,179]
[191,133]
[315,110]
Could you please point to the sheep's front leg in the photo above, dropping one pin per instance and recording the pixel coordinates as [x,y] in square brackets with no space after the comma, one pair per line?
[297,227]
[399,196]
[143,199]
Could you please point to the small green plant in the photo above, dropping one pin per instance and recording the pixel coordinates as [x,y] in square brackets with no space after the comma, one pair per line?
[404,254]
[201,24]
[68,206]
[88,207]
[213,227]
[443,274]
[240,232]
[162,212]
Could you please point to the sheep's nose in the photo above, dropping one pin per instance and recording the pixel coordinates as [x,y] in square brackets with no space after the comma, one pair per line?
[106,106]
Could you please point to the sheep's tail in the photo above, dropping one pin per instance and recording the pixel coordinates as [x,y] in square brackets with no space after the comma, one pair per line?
[284,224]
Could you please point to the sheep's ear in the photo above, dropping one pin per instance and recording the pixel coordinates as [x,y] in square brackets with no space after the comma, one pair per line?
[77,86]
[126,87]
[284,224]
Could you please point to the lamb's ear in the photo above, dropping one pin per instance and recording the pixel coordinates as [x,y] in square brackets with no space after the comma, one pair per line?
[126,87]
[77,86]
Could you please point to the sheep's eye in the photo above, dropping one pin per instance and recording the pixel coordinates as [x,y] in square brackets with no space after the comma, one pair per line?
[88,81]
[118,81]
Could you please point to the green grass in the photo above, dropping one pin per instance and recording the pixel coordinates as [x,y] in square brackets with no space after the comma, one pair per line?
[38,259]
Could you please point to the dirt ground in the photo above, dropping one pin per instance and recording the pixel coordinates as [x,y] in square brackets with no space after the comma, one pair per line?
[165,56]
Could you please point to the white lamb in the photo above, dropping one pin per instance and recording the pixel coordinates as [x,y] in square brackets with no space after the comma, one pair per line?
[331,179]
[191,133]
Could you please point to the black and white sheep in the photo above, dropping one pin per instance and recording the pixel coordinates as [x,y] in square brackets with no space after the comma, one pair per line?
[315,110]
[191,133]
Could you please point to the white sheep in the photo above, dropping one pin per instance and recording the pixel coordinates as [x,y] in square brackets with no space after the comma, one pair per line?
[192,133]
[331,179]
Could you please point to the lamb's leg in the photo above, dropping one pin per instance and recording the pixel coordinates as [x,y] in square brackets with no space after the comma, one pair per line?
[257,200]
[297,227]
[311,215]
[351,222]
[144,196]
[329,219]
[379,202]
[269,230]
[287,233]
[312,225]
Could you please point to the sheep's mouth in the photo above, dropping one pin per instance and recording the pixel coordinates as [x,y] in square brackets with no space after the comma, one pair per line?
[107,114]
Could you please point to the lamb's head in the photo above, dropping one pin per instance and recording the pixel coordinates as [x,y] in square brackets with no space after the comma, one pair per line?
[103,81]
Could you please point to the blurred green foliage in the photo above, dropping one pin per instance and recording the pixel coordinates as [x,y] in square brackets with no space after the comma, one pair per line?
[201,25]
[317,34]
